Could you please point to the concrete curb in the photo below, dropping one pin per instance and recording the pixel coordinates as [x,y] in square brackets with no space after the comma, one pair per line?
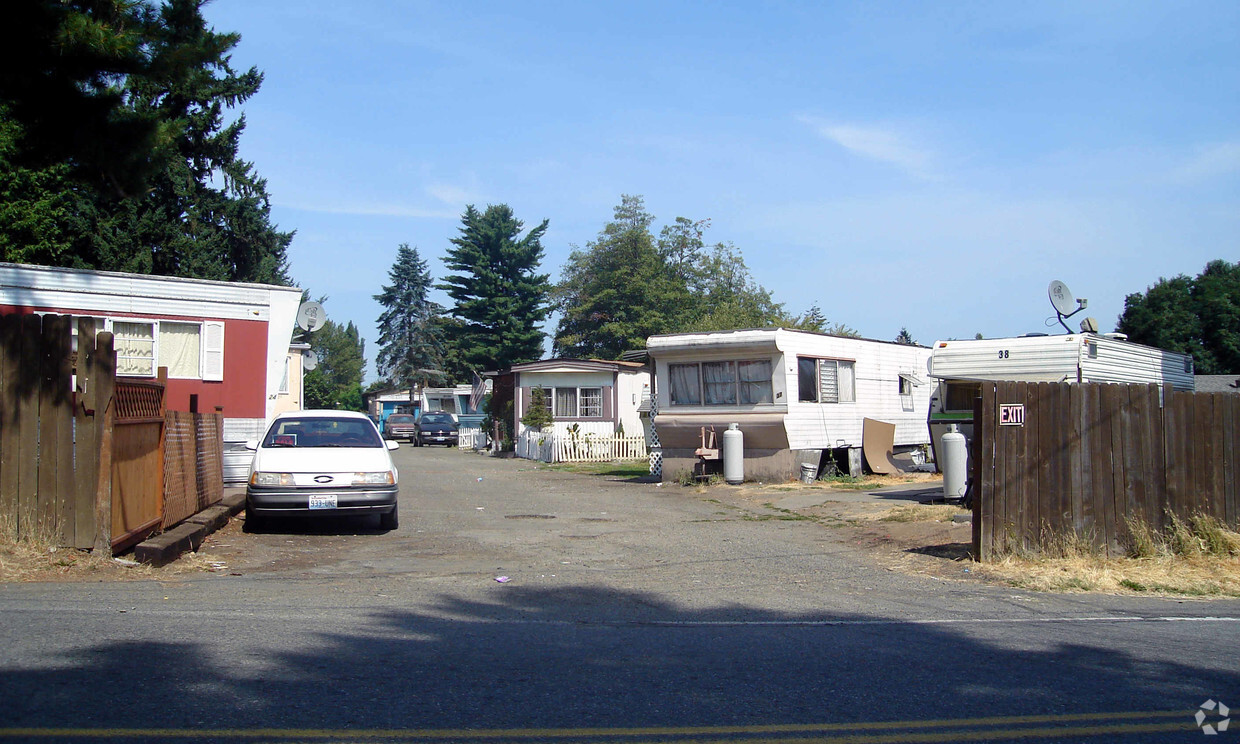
[166,547]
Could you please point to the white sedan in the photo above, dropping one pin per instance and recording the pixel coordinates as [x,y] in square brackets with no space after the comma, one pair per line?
[322,463]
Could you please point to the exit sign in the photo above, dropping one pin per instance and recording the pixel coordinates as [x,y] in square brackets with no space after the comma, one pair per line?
[1011,414]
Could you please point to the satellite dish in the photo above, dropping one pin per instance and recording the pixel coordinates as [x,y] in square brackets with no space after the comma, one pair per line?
[1061,298]
[309,360]
[1089,325]
[310,316]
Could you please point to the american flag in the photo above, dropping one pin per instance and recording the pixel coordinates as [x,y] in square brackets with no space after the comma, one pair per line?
[476,395]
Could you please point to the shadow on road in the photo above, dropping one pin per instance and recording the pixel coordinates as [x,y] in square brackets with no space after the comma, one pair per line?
[580,656]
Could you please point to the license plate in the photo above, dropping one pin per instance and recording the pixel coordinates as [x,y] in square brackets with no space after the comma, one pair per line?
[323,502]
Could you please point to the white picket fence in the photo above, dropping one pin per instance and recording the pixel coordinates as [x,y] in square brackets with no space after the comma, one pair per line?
[547,446]
[471,439]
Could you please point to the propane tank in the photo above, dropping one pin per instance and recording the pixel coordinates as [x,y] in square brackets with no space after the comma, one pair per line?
[955,463]
[734,455]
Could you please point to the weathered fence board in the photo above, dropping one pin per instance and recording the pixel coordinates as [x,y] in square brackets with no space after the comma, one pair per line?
[1090,457]
[48,443]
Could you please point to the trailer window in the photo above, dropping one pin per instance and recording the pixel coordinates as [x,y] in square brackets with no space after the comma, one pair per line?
[724,383]
[960,395]
[826,380]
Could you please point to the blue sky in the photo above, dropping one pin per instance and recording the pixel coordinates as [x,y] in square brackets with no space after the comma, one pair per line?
[923,165]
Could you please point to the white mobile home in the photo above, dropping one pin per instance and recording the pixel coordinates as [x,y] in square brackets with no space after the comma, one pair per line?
[794,394]
[959,366]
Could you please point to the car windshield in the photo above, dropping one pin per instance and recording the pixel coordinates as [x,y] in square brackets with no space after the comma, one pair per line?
[400,418]
[322,432]
[436,418]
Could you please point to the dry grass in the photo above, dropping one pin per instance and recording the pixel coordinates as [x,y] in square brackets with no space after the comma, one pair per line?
[37,559]
[1197,558]
[920,513]
[1165,576]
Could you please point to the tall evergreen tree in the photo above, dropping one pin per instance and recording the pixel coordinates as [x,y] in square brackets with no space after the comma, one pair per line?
[207,214]
[409,346]
[62,71]
[115,121]
[497,290]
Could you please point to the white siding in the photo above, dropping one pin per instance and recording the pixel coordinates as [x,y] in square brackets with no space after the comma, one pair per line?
[629,390]
[878,369]
[1058,359]
[1122,361]
[1029,358]
[565,379]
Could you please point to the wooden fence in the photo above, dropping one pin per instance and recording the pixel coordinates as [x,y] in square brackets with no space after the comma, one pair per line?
[193,463]
[82,456]
[1055,460]
[51,429]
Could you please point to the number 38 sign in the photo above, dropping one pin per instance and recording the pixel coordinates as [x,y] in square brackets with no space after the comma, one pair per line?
[1011,414]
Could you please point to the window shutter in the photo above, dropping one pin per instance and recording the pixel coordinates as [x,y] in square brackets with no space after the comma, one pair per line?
[828,380]
[213,351]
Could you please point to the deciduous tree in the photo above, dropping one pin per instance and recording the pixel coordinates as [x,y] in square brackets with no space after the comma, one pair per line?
[1198,316]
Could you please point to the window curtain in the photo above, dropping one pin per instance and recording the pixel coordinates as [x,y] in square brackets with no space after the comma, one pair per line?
[566,402]
[684,379]
[755,382]
[179,348]
[135,348]
[719,380]
[848,383]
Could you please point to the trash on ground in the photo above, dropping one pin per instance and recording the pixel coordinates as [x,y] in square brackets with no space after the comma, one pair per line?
[503,579]
[126,562]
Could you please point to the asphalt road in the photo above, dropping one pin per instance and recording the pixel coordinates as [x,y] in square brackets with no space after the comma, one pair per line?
[632,613]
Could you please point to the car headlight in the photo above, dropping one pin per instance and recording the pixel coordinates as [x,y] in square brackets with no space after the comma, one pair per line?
[271,479]
[383,478]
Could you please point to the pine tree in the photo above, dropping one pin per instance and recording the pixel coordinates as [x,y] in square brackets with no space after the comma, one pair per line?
[497,292]
[207,213]
[113,125]
[409,344]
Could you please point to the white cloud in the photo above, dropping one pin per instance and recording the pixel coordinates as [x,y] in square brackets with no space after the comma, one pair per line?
[458,196]
[1210,162]
[876,143]
[372,210]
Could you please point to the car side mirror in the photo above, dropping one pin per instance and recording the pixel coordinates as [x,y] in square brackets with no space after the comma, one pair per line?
[391,444]
[251,444]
